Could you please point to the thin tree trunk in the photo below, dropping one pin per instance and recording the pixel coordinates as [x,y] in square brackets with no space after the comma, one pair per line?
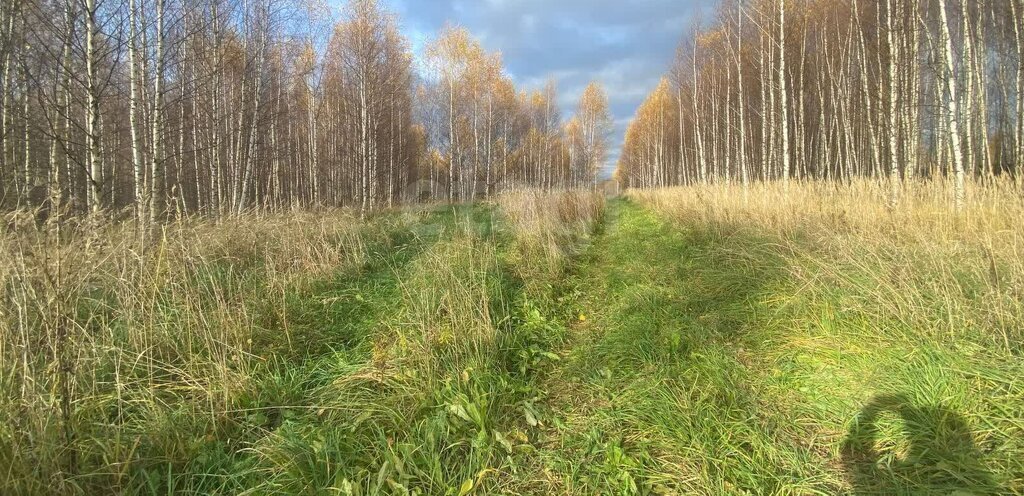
[133,120]
[894,60]
[952,109]
[1017,7]
[702,163]
[783,95]
[158,180]
[93,138]
[742,104]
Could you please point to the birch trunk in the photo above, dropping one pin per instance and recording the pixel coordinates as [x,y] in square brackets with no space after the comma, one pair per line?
[1017,7]
[783,95]
[133,110]
[158,180]
[952,109]
[894,60]
[93,139]
[741,104]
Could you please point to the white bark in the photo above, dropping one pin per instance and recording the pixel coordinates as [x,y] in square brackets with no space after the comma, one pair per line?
[783,96]
[952,109]
[93,139]
[742,107]
[158,184]
[133,104]
[702,163]
[894,166]
[1017,7]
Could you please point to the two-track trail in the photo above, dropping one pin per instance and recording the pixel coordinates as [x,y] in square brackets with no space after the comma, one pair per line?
[655,392]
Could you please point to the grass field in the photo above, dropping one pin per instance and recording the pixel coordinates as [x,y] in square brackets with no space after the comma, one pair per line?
[688,341]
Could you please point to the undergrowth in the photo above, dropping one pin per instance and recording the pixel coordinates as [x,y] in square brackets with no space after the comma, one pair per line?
[881,342]
[703,340]
[290,354]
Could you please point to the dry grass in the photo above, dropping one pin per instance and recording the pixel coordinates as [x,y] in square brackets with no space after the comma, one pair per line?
[916,307]
[545,223]
[452,294]
[940,271]
[418,351]
[166,362]
[98,324]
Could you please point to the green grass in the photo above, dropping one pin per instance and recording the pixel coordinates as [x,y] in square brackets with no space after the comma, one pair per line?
[659,395]
[643,356]
[346,404]
[703,367]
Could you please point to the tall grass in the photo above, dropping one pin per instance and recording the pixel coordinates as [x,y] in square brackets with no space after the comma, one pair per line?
[445,402]
[106,336]
[912,314]
[284,353]
[942,273]
[545,225]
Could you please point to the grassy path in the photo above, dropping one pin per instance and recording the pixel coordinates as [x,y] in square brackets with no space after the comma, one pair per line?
[536,347]
[655,393]
[695,366]
[322,412]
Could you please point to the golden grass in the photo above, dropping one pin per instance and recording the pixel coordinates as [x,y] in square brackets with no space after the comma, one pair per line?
[913,300]
[544,222]
[940,271]
[127,350]
[95,319]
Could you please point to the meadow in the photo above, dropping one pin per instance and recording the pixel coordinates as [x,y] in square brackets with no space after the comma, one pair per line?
[696,340]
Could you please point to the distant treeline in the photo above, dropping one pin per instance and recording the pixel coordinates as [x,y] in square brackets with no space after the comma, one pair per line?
[170,108]
[836,89]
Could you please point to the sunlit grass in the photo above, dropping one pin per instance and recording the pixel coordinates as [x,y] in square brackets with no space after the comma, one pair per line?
[275,354]
[866,302]
[684,341]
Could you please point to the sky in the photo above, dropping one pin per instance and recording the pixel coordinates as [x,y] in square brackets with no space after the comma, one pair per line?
[627,45]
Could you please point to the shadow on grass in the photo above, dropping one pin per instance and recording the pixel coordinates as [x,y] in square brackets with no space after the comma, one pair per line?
[938,454]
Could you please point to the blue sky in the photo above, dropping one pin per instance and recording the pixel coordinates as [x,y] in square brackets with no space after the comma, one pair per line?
[626,45]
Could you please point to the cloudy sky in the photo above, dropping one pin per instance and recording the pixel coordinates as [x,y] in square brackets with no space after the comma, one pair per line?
[625,44]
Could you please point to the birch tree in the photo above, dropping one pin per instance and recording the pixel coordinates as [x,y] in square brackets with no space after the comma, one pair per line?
[952,107]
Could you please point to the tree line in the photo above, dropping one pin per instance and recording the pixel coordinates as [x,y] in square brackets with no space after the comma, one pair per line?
[838,89]
[168,108]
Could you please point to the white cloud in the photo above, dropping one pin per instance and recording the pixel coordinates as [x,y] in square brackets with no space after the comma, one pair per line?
[625,45]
